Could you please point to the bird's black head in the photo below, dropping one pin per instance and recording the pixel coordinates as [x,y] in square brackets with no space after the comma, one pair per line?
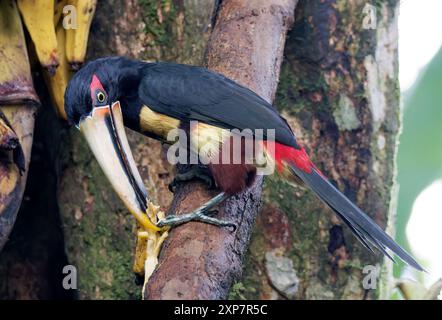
[99,83]
[92,103]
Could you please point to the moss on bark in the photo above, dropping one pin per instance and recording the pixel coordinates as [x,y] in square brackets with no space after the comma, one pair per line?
[338,90]
[99,232]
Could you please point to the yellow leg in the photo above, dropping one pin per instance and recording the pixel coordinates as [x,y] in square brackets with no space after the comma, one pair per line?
[145,221]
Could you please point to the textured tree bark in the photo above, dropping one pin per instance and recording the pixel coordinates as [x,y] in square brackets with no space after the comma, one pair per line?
[99,232]
[70,215]
[200,261]
[339,92]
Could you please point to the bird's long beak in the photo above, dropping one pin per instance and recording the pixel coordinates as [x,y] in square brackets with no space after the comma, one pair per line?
[105,134]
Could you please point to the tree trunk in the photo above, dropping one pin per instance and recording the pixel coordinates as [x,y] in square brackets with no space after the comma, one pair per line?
[200,261]
[339,92]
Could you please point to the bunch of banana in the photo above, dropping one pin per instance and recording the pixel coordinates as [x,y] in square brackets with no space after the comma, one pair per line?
[58,10]
[58,82]
[76,39]
[38,18]
[71,47]
[17,105]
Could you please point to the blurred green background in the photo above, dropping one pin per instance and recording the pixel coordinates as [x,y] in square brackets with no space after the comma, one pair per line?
[420,155]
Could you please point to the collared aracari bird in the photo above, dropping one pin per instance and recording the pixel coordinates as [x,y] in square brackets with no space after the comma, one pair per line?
[154,98]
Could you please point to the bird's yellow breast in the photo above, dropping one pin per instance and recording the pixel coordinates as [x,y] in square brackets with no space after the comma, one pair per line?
[157,123]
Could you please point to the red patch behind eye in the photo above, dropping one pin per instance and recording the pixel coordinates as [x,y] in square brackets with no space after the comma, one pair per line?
[95,84]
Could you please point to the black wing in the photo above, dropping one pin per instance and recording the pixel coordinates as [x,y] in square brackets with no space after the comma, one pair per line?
[194,93]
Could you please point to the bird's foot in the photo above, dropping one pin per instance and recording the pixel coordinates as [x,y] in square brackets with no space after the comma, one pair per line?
[202,214]
[195,172]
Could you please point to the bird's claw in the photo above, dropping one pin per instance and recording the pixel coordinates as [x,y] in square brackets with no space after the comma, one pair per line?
[205,217]
[203,214]
[212,213]
[195,172]
[233,227]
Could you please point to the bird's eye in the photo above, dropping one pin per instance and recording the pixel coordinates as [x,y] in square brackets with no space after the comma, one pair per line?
[101,97]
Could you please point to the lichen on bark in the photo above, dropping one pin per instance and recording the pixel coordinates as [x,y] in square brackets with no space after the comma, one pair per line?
[332,64]
[99,232]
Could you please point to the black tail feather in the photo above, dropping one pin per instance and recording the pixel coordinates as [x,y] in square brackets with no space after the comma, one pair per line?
[365,242]
[364,228]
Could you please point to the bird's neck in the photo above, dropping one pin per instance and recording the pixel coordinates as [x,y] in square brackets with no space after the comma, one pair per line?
[129,78]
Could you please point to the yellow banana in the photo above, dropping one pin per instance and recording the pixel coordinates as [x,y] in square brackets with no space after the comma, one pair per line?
[17,104]
[148,246]
[58,10]
[76,39]
[38,16]
[10,144]
[57,84]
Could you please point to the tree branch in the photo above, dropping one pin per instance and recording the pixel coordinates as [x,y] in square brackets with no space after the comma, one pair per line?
[200,261]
